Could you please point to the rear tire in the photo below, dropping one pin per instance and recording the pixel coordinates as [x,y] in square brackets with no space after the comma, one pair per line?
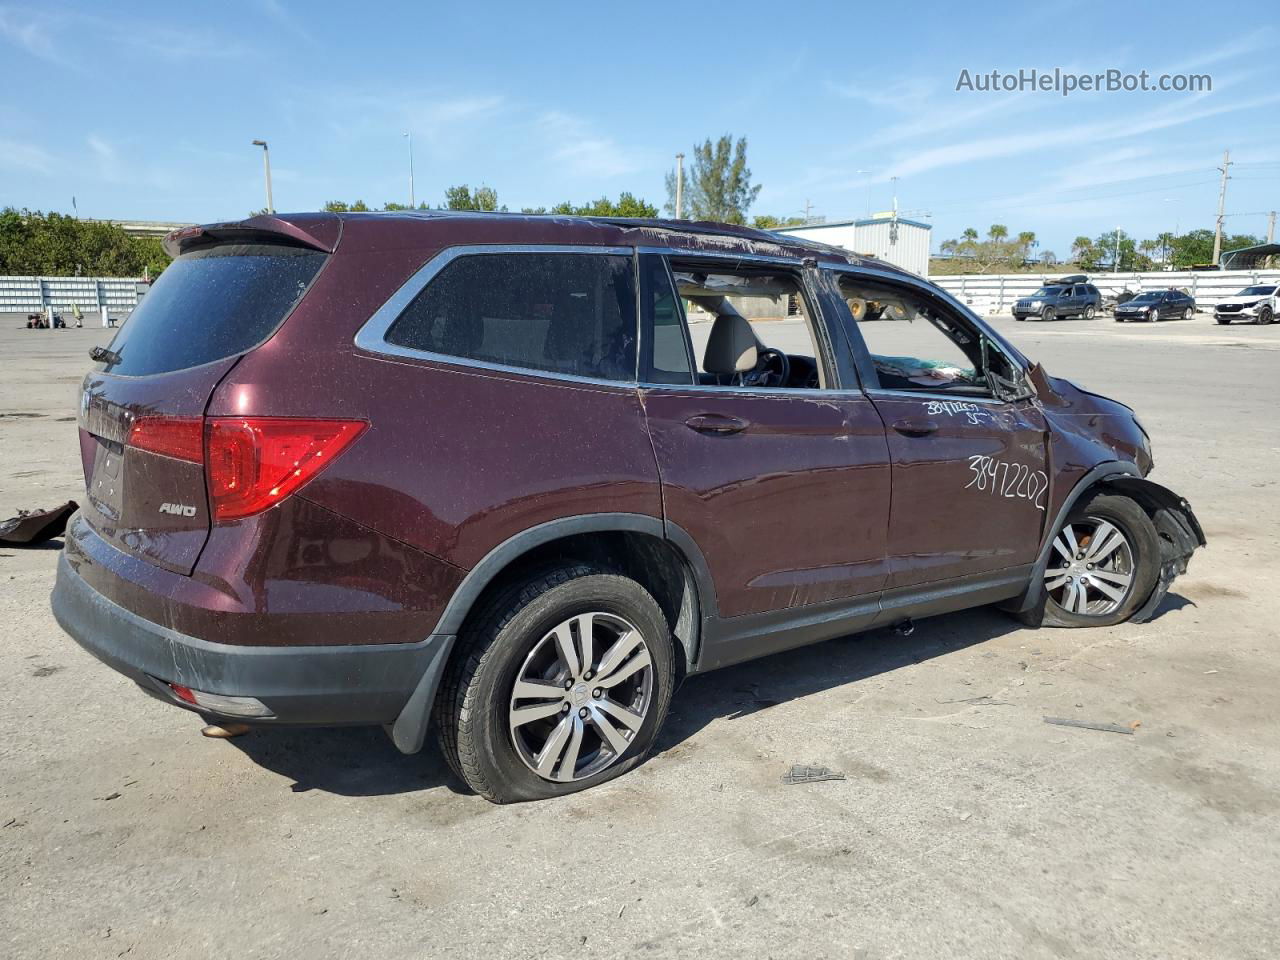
[1089,312]
[1188,313]
[476,710]
[1141,547]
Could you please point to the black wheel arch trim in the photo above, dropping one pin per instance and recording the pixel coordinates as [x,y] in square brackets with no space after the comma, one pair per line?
[409,731]
[501,556]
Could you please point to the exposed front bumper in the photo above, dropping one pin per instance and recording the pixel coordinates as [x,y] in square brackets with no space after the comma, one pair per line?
[314,685]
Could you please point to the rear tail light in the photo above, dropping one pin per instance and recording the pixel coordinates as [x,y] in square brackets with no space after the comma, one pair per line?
[179,437]
[255,462]
[251,463]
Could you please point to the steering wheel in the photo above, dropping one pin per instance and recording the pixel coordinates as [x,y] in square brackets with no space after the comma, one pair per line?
[772,369]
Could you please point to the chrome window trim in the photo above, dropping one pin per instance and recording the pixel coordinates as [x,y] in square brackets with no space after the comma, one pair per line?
[725,256]
[925,395]
[372,335]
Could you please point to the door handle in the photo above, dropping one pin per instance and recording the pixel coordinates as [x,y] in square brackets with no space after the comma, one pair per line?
[915,428]
[716,423]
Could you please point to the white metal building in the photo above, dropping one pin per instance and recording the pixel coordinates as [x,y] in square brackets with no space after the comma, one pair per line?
[901,242]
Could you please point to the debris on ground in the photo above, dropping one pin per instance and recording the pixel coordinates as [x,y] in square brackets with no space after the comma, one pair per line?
[802,774]
[225,731]
[984,701]
[30,527]
[1088,725]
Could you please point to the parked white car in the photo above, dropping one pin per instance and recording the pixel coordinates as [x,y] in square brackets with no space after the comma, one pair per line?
[1257,304]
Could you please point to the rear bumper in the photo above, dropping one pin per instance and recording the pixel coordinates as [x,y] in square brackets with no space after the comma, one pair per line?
[313,685]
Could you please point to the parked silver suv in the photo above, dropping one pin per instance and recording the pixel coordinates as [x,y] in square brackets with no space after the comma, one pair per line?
[1257,304]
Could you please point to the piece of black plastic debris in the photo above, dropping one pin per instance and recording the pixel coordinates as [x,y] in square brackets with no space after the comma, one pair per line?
[1088,725]
[36,526]
[801,774]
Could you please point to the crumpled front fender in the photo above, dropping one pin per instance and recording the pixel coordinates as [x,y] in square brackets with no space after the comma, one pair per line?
[1179,531]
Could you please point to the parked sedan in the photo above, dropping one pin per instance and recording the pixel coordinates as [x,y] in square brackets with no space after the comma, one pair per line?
[1157,305]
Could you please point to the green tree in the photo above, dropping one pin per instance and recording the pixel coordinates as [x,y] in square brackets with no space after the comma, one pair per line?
[462,198]
[766,221]
[997,232]
[1082,251]
[626,205]
[38,244]
[719,184]
[341,206]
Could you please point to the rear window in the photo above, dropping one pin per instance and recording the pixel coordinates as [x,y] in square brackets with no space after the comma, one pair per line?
[211,304]
[567,313]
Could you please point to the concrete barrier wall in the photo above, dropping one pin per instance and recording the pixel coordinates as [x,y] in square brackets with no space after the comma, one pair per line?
[996,293]
[118,295]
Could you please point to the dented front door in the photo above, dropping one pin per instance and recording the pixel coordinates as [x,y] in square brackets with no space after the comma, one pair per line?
[970,485]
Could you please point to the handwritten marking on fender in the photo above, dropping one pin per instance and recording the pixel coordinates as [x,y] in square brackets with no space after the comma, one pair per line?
[1013,481]
[954,408]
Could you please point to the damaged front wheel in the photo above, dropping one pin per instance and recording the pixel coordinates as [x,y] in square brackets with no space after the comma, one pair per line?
[1104,563]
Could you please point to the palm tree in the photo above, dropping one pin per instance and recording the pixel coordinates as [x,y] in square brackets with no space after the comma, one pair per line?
[997,231]
[1081,247]
[969,234]
[948,247]
[1165,241]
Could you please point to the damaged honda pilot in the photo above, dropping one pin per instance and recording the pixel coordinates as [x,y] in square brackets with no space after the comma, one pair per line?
[511,478]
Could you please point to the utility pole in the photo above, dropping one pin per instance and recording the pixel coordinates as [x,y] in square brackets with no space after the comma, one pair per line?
[266,167]
[807,207]
[1222,203]
[1115,267]
[1271,227]
[679,186]
[411,201]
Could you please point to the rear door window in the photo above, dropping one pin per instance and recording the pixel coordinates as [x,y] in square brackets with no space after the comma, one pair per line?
[566,313]
[212,304]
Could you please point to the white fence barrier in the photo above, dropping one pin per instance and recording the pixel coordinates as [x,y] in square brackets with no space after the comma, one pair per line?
[996,293]
[101,295]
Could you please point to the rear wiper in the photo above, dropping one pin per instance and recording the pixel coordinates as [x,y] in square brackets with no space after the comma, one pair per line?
[103,355]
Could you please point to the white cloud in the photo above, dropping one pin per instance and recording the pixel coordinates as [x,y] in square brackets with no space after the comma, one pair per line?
[582,151]
[26,157]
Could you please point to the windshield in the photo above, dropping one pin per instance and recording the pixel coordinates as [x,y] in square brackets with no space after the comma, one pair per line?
[1047,291]
[1262,291]
[1145,296]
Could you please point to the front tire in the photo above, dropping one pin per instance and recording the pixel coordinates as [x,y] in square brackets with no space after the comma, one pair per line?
[562,683]
[1103,565]
[1153,315]
[1188,313]
[1048,314]
[1265,316]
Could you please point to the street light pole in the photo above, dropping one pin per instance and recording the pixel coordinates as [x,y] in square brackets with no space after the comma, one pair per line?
[266,169]
[411,200]
[679,186]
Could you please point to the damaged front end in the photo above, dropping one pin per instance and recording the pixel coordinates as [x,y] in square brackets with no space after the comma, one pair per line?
[1179,531]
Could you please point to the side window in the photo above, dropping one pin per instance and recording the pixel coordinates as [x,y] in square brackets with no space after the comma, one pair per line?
[568,313]
[917,344]
[749,327]
[666,343]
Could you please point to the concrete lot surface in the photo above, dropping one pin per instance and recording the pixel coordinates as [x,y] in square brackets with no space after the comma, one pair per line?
[967,827]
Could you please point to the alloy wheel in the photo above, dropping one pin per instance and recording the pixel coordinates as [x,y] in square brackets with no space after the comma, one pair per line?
[581,697]
[1091,570]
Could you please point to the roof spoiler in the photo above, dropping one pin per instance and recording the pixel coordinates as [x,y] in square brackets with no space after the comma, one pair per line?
[318,231]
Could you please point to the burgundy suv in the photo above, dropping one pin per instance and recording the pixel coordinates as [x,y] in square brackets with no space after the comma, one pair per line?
[514,477]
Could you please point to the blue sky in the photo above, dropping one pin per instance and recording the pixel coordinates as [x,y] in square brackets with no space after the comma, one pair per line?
[147,110]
